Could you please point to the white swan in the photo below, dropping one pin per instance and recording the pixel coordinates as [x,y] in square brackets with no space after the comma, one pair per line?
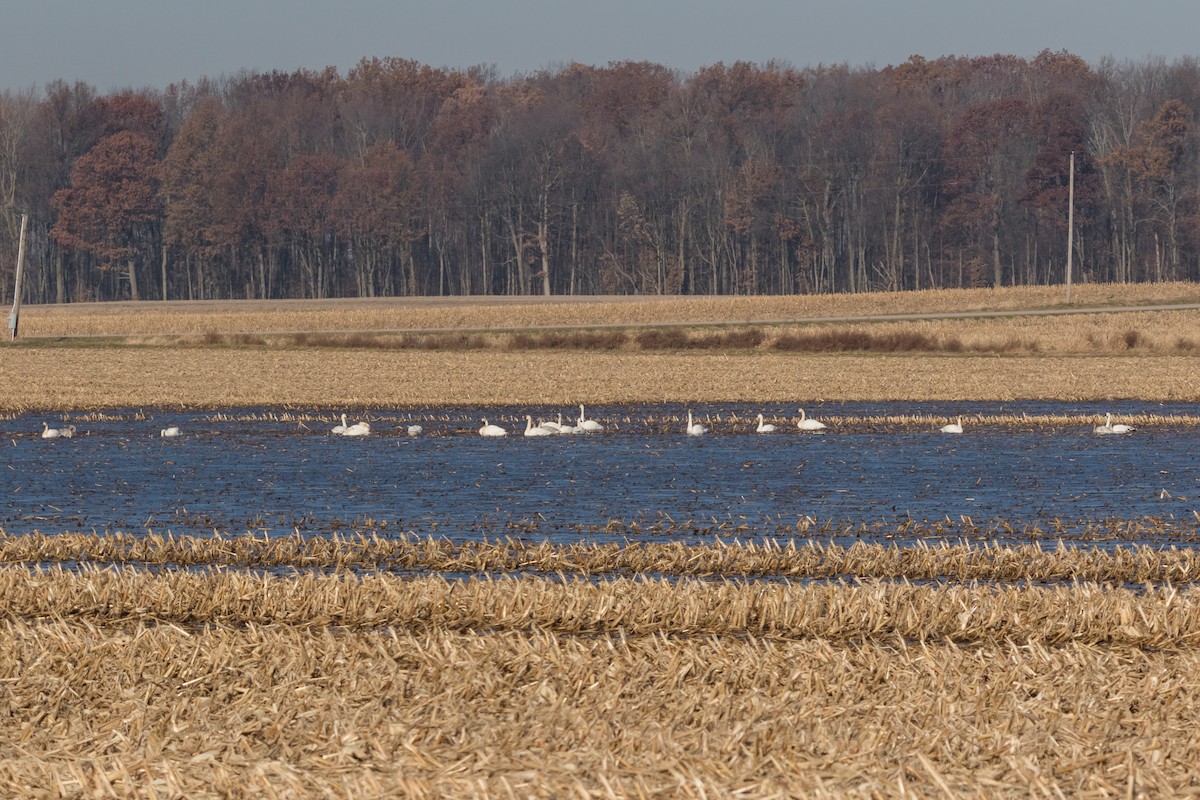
[554,426]
[415,430]
[535,430]
[953,427]
[1109,428]
[55,433]
[588,425]
[340,429]
[567,428]
[806,424]
[491,430]
[764,427]
[171,431]
[358,429]
[695,428]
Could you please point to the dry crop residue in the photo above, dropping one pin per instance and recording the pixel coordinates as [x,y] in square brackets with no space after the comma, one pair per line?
[72,379]
[330,674]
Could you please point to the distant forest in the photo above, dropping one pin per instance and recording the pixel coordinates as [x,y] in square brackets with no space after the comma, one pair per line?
[403,179]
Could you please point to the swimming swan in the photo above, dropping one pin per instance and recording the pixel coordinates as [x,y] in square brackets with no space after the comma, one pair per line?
[415,430]
[953,427]
[171,431]
[358,429]
[588,425]
[535,430]
[695,428]
[1109,428]
[764,427]
[806,424]
[54,433]
[491,430]
[340,429]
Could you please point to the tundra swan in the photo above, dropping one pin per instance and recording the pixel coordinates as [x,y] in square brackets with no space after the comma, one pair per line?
[1109,428]
[171,431]
[50,433]
[491,430]
[415,430]
[67,432]
[806,424]
[695,428]
[358,429]
[764,427]
[953,427]
[535,430]
[340,429]
[588,425]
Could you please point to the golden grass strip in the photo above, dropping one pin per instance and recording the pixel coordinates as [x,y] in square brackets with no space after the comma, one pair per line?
[766,558]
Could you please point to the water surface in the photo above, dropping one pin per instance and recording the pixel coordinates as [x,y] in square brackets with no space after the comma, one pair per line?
[234,475]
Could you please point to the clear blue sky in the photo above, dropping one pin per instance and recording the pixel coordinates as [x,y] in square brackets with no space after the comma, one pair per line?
[114,44]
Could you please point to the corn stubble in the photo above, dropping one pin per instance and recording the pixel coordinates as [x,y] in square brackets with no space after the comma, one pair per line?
[508,350]
[484,312]
[63,379]
[300,667]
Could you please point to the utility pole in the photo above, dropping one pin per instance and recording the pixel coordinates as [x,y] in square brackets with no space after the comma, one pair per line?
[1070,223]
[16,309]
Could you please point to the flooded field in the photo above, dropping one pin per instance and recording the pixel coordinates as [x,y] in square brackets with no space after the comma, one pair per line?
[278,472]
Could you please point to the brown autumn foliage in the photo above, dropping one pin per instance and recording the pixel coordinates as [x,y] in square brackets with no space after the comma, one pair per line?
[397,178]
[112,200]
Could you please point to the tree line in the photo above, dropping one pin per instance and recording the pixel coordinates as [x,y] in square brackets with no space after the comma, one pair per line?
[398,178]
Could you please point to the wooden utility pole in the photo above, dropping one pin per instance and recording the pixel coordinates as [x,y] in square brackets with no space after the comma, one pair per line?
[1070,222]
[16,309]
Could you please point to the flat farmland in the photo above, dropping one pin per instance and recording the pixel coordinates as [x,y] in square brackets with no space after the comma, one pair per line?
[370,353]
[361,660]
[530,312]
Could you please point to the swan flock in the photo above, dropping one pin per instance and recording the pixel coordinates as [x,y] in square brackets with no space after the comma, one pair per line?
[583,424]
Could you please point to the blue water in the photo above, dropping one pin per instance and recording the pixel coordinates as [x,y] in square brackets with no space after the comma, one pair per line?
[235,476]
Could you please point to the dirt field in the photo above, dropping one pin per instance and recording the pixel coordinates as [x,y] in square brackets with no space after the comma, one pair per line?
[239,353]
[487,313]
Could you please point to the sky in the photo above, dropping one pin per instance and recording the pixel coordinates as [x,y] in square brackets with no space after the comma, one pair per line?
[136,44]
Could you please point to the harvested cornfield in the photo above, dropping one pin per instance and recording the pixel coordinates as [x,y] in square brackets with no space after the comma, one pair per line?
[427,351]
[772,558]
[253,667]
[679,328]
[476,313]
[68,379]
